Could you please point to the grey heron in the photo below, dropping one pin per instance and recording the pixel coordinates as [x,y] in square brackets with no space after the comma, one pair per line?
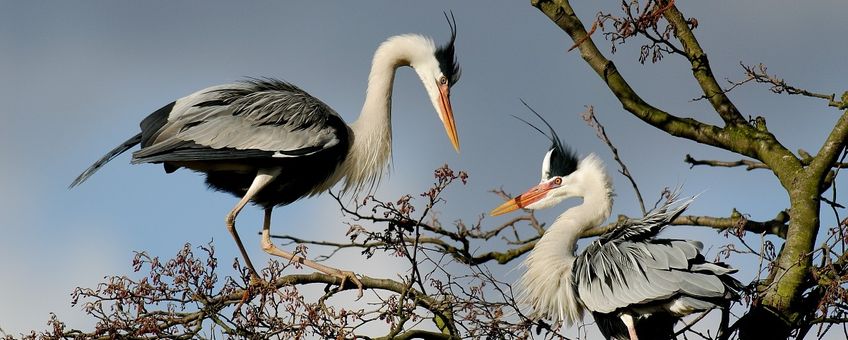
[271,143]
[625,278]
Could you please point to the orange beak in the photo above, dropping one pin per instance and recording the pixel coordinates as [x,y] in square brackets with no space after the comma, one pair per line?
[519,202]
[447,115]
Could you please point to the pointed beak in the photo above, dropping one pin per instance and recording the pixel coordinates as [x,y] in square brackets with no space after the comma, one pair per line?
[519,202]
[446,114]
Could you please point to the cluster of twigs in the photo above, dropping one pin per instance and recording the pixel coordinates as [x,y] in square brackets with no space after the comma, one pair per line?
[759,74]
[642,19]
[182,298]
[447,293]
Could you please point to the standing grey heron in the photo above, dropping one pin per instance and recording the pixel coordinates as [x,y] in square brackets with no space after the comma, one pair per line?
[271,143]
[625,278]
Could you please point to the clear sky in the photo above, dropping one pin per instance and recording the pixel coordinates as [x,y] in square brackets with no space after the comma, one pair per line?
[77,77]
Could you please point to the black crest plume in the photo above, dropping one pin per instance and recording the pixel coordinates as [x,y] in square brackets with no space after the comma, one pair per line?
[446,54]
[563,161]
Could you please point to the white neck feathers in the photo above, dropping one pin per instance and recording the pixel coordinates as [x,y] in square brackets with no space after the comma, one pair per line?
[546,285]
[371,145]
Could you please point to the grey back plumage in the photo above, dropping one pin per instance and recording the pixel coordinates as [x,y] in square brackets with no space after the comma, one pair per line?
[250,119]
[627,267]
[256,118]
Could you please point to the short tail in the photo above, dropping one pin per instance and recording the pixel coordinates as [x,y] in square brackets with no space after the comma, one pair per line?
[129,143]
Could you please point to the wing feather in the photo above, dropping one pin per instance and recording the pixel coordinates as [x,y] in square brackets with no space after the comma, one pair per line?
[700,285]
[254,118]
[628,267]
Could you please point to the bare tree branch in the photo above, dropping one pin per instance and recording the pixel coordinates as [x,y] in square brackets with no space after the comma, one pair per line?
[590,118]
[760,74]
[748,164]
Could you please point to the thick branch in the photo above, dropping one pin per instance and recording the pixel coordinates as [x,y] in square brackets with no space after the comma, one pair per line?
[831,148]
[418,334]
[701,68]
[776,226]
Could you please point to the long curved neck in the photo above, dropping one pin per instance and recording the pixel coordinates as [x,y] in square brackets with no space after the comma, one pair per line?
[547,281]
[371,147]
[560,240]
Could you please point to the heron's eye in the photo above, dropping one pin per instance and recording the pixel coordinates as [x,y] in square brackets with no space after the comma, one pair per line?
[443,80]
[558,181]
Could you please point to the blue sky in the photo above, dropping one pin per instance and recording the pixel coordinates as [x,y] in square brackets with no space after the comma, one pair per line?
[77,77]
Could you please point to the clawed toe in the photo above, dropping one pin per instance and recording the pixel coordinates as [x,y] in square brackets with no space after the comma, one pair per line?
[345,275]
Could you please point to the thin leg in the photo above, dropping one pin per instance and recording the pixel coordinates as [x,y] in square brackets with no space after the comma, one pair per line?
[631,325]
[263,177]
[270,248]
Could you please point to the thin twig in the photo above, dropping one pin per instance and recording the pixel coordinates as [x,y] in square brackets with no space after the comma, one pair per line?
[590,118]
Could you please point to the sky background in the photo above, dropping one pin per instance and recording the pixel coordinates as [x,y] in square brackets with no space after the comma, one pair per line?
[76,78]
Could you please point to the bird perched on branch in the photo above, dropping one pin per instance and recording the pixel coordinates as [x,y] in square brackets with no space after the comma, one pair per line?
[635,285]
[271,143]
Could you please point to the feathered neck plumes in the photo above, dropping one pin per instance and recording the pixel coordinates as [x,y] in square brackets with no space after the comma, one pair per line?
[547,284]
[371,147]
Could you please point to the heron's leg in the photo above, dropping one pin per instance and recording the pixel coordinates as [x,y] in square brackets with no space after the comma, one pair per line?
[270,248]
[263,177]
[631,325]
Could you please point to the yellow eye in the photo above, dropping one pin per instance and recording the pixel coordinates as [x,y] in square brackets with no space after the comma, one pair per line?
[558,181]
[443,80]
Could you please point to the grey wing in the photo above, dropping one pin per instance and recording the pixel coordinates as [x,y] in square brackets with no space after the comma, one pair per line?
[613,275]
[652,223]
[251,119]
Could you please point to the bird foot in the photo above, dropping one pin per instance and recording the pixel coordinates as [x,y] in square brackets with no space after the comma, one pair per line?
[345,275]
[250,291]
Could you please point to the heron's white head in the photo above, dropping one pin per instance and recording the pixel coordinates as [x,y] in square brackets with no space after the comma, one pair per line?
[563,177]
[436,66]
[439,71]
[588,178]
[558,183]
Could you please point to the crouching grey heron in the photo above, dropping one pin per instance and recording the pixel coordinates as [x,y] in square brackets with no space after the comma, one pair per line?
[633,283]
[271,143]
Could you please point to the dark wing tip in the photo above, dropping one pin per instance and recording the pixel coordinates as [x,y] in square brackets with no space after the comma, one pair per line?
[446,54]
[563,160]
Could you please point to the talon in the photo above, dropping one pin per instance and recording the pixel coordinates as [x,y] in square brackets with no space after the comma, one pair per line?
[348,274]
[255,280]
[248,294]
[245,296]
[343,276]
